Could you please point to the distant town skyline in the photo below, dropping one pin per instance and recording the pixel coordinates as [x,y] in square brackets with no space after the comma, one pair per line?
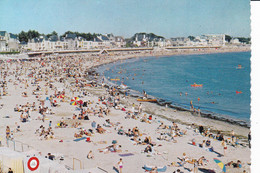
[168,18]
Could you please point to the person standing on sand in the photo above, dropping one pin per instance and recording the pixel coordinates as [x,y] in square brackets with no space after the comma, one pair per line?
[140,108]
[196,166]
[120,165]
[232,136]
[224,145]
[7,132]
[94,125]
[198,111]
[249,139]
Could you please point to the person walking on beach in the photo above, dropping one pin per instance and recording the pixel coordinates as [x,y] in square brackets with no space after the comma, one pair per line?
[249,139]
[224,145]
[120,165]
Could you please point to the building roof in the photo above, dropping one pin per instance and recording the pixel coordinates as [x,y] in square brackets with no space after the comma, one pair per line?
[104,38]
[70,36]
[54,38]
[96,39]
[2,33]
[13,36]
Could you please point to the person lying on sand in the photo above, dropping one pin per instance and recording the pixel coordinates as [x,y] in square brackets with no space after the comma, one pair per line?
[111,148]
[100,129]
[90,155]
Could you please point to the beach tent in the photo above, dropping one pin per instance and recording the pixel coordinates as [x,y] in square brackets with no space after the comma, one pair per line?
[11,159]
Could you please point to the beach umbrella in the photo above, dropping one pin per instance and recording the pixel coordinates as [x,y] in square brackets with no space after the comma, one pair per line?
[80,102]
[73,103]
[74,100]
[60,96]
[220,164]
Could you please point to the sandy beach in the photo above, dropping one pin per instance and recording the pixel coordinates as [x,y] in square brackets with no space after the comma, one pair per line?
[43,91]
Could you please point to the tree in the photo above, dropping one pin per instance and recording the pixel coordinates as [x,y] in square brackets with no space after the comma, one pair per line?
[228,38]
[191,38]
[244,40]
[23,37]
[53,33]
[33,34]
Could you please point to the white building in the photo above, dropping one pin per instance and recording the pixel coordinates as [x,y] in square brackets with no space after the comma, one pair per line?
[8,42]
[235,41]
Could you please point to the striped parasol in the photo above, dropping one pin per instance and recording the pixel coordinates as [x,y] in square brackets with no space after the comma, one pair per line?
[74,101]
[61,96]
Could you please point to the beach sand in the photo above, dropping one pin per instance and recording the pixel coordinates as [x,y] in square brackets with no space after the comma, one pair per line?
[164,152]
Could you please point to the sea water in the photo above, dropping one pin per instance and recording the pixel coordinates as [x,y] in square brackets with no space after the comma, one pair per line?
[171,77]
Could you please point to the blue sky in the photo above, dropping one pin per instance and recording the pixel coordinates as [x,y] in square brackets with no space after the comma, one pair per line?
[169,18]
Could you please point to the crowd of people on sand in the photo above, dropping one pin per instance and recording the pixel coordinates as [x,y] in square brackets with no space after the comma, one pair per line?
[71,72]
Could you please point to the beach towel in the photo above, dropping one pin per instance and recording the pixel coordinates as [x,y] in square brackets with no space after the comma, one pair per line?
[79,139]
[159,169]
[126,154]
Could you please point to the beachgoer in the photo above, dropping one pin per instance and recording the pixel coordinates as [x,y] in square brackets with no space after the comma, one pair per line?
[93,125]
[10,170]
[90,155]
[249,139]
[196,166]
[224,145]
[7,132]
[120,165]
[191,105]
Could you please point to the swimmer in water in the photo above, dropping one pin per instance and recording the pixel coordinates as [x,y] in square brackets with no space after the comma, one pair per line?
[186,94]
[180,93]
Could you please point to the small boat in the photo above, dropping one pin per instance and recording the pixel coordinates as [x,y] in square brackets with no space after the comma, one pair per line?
[115,79]
[147,100]
[123,86]
[238,92]
[239,66]
[196,85]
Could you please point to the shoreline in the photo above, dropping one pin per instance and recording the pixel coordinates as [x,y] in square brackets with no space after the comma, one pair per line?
[213,116]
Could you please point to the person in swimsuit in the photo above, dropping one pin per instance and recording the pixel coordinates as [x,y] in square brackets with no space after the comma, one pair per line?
[7,132]
[120,165]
